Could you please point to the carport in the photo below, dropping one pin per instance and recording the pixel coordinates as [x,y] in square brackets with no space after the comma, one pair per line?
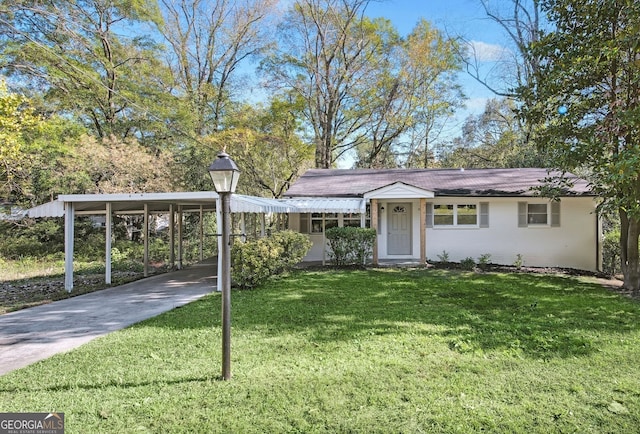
[174,204]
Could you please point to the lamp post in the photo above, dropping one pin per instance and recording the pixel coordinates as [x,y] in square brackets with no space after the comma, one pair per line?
[224,174]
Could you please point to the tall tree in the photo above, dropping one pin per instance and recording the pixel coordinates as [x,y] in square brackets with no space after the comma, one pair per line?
[326,47]
[209,41]
[76,51]
[410,89]
[433,89]
[523,24]
[492,139]
[585,100]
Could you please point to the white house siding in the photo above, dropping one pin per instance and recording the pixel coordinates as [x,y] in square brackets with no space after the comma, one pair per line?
[574,244]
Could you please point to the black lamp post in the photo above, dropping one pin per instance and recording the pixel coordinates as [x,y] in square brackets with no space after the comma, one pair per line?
[224,174]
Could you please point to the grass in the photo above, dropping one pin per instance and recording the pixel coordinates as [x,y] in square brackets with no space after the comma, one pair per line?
[361,351]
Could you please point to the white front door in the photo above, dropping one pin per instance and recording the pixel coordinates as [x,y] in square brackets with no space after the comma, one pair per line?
[399,225]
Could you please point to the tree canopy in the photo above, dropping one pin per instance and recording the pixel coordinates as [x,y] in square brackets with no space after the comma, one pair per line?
[584,102]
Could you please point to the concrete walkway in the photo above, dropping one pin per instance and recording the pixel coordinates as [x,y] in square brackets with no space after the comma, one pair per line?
[37,333]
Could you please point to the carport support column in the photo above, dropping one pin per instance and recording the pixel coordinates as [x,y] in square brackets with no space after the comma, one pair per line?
[107,249]
[423,231]
[69,216]
[179,237]
[146,240]
[374,225]
[172,236]
[201,230]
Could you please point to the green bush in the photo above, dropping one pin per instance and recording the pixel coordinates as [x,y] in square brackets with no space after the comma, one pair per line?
[350,245]
[468,264]
[484,260]
[611,253]
[253,262]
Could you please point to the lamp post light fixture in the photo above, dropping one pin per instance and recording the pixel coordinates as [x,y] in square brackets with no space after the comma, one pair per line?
[224,174]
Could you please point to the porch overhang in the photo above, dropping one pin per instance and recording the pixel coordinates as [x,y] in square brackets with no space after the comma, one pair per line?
[399,190]
[327,205]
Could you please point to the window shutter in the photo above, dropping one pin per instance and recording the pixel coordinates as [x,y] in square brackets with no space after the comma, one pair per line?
[522,214]
[555,213]
[484,214]
[429,215]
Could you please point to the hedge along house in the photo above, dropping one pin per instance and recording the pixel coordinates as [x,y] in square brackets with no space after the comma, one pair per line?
[422,214]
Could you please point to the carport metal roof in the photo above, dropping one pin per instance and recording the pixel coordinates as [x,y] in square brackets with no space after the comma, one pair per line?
[133,203]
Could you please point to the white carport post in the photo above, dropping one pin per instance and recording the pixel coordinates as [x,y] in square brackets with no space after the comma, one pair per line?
[69,216]
[179,237]
[107,249]
[172,236]
[146,239]
[201,228]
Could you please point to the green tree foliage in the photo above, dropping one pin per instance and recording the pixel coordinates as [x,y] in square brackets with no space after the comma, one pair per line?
[16,117]
[208,41]
[31,145]
[590,66]
[111,165]
[494,138]
[363,85]
[77,51]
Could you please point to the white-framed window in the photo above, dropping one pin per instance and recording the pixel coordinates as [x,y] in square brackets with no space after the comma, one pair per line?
[312,223]
[455,215]
[330,221]
[351,220]
[538,213]
[470,215]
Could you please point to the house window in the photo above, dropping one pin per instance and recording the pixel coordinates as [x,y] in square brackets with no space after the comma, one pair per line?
[330,221]
[312,223]
[351,220]
[455,215]
[443,215]
[538,214]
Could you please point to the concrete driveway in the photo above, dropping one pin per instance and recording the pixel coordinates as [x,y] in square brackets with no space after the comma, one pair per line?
[37,333]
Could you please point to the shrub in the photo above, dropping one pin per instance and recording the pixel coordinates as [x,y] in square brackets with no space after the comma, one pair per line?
[611,253]
[253,262]
[484,260]
[519,262]
[295,247]
[350,245]
[468,264]
[443,257]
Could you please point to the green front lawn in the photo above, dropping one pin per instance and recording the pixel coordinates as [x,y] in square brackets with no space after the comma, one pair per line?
[398,351]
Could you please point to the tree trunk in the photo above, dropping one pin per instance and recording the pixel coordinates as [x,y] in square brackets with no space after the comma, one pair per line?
[629,234]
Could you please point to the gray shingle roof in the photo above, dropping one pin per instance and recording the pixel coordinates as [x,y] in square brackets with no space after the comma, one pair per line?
[443,182]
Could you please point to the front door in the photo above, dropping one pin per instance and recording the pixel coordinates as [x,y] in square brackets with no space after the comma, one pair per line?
[399,229]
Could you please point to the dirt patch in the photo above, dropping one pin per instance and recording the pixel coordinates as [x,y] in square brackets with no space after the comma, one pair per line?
[16,295]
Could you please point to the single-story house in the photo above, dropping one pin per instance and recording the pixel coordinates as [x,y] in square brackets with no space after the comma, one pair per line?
[430,214]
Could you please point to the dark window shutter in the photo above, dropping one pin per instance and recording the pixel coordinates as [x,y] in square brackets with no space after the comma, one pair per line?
[484,214]
[555,214]
[522,214]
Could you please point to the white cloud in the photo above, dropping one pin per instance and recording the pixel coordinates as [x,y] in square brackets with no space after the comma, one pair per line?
[483,52]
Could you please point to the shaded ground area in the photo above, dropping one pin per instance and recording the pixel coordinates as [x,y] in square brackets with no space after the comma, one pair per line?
[34,334]
[23,293]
